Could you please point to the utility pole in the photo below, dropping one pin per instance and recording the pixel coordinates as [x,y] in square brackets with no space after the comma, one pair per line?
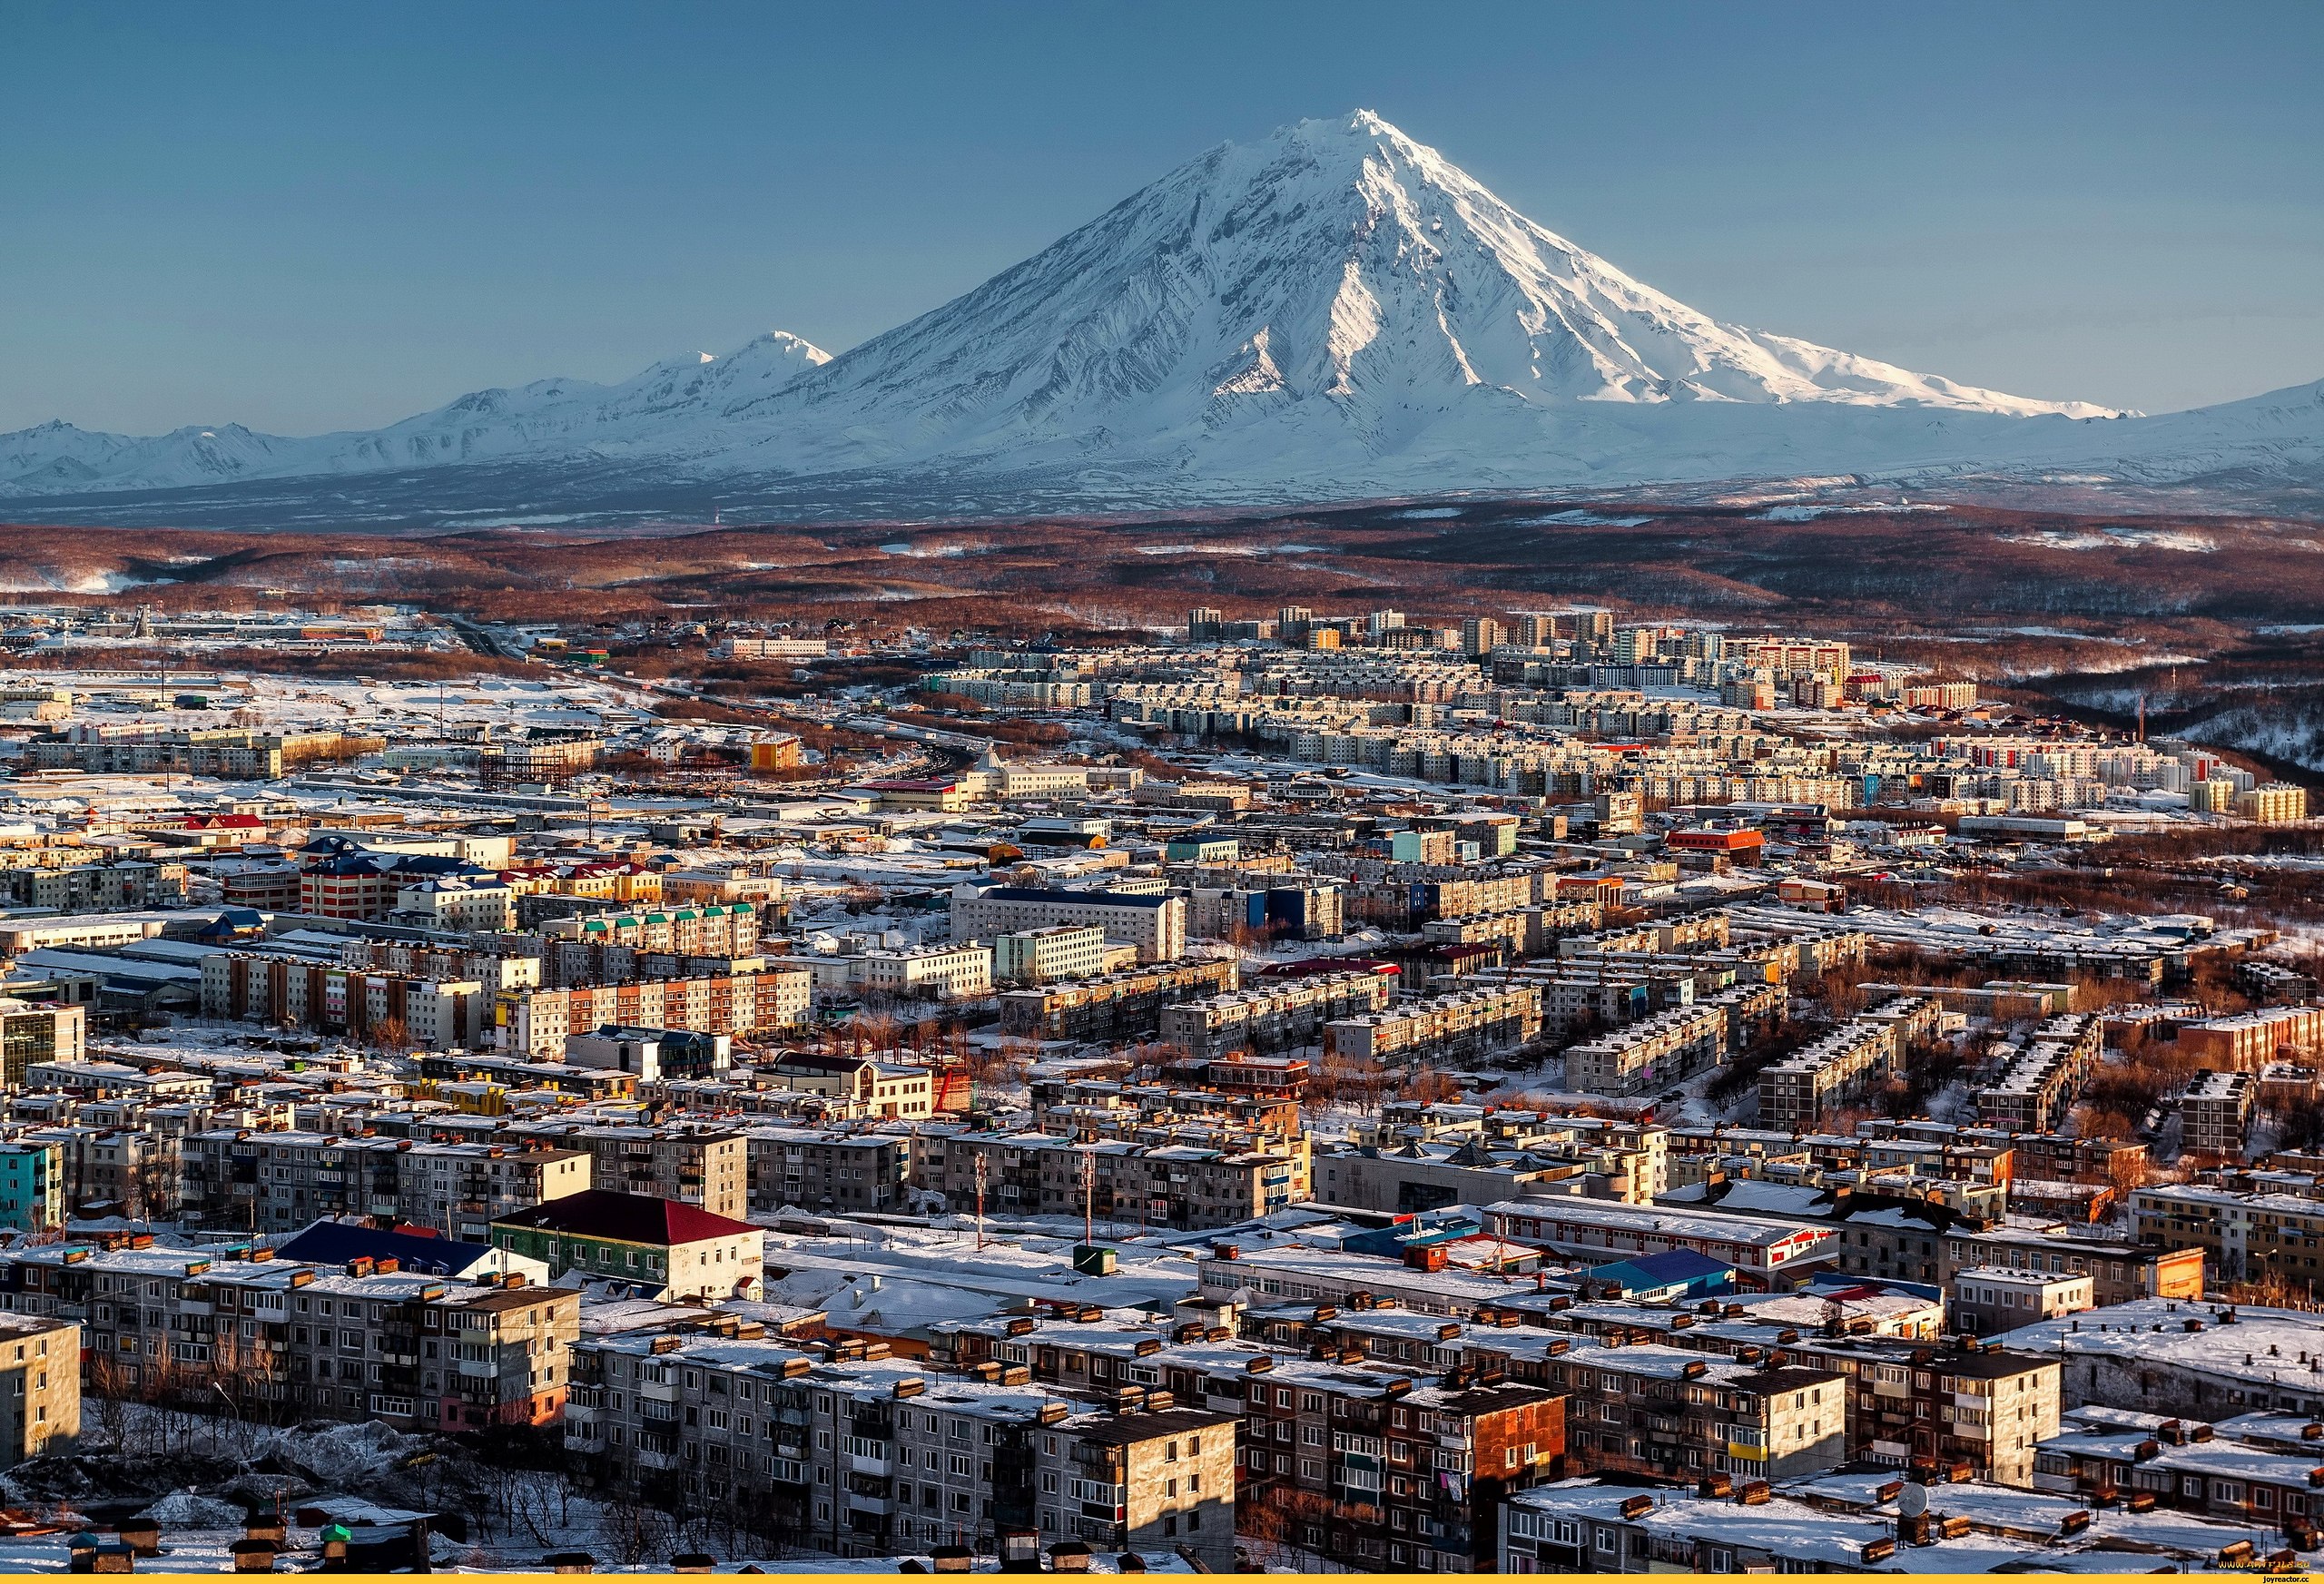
[980,1174]
[1088,1197]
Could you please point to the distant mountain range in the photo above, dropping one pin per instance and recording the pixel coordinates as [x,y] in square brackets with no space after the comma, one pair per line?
[1335,313]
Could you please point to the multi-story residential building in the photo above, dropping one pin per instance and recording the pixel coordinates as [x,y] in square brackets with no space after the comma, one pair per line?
[1660,1050]
[1189,1187]
[31,1185]
[1373,1467]
[2216,1114]
[1114,1007]
[1272,1014]
[1454,1028]
[281,1339]
[1989,1299]
[812,1169]
[40,1382]
[537,1022]
[472,904]
[2152,1266]
[1982,1406]
[2244,1236]
[2246,1041]
[857,1084]
[705,1164]
[1149,1477]
[461,1190]
[1648,1409]
[715,930]
[653,1247]
[1156,925]
[1795,1092]
[33,1034]
[235,1179]
[2042,1082]
[1041,957]
[716,1413]
[292,992]
[960,972]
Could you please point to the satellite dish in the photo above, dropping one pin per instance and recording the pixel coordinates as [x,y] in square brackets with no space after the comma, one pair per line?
[1913,1500]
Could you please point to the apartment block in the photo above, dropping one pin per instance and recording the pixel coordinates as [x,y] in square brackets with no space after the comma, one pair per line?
[2041,1083]
[728,930]
[1650,1055]
[812,1169]
[31,1033]
[2216,1114]
[1041,957]
[360,1342]
[460,1189]
[1115,1006]
[40,1381]
[1459,1027]
[1795,1092]
[1156,925]
[291,992]
[1186,1186]
[1272,1014]
[538,1022]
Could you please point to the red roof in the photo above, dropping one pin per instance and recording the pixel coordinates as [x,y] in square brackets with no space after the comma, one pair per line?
[625,1218]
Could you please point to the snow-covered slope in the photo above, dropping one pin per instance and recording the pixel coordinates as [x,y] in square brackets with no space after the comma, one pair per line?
[1334,310]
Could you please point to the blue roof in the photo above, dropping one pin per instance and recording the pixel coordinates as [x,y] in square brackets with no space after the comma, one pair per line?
[1100,898]
[334,1243]
[1667,1269]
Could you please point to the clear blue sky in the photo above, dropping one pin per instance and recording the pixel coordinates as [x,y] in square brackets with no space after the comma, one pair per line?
[313,216]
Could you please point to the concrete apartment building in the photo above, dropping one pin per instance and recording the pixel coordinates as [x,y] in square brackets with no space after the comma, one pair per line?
[365,1341]
[461,1190]
[536,1023]
[2244,1237]
[2041,1083]
[1983,1405]
[1041,957]
[39,1385]
[2215,1113]
[1272,1014]
[1988,1300]
[1156,925]
[961,972]
[817,1170]
[288,992]
[715,930]
[32,1034]
[1459,1026]
[1671,1411]
[1125,1006]
[1650,1055]
[701,1165]
[1795,1092]
[1186,1186]
[235,1179]
[1150,1476]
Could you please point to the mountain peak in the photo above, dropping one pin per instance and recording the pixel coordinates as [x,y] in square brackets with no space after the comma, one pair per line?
[1334,309]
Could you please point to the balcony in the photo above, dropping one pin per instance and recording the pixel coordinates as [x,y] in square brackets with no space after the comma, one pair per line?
[878,1467]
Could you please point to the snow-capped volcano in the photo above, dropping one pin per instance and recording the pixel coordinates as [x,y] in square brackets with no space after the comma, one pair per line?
[1334,311]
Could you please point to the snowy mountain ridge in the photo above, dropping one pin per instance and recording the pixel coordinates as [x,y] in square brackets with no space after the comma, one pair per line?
[1335,310]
